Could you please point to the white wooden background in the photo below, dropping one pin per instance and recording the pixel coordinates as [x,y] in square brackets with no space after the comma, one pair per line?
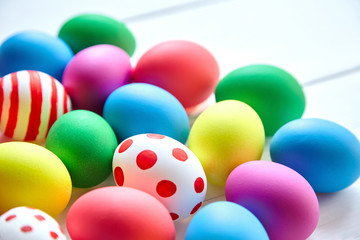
[318,41]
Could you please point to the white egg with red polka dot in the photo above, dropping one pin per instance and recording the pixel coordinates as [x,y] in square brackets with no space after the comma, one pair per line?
[164,168]
[22,223]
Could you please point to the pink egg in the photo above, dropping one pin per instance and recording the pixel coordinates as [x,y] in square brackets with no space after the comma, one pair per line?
[94,73]
[30,102]
[279,197]
[119,213]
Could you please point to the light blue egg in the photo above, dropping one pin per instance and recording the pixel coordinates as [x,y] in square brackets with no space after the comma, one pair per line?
[144,108]
[326,154]
[225,220]
[34,50]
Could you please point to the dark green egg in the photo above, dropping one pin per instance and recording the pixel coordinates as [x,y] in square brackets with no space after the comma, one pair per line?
[273,93]
[86,30]
[85,143]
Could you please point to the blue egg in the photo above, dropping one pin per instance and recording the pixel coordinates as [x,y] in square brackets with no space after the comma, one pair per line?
[138,108]
[225,220]
[326,154]
[33,50]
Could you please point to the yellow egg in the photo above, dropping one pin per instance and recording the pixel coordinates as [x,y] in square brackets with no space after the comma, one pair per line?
[224,136]
[31,175]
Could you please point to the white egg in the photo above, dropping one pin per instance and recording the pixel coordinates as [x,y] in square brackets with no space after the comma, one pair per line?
[23,223]
[164,168]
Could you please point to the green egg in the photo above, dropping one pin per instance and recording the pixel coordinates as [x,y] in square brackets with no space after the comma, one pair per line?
[86,30]
[273,93]
[85,143]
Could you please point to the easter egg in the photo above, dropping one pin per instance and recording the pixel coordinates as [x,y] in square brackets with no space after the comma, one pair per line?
[325,153]
[185,69]
[144,108]
[24,223]
[31,175]
[273,93]
[86,30]
[164,168]
[224,136]
[85,143]
[279,197]
[30,102]
[33,50]
[119,213]
[225,220]
[95,72]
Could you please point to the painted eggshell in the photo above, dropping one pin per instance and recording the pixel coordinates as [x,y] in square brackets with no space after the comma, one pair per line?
[93,74]
[119,213]
[225,220]
[87,30]
[85,143]
[185,69]
[24,223]
[30,102]
[34,50]
[224,136]
[164,168]
[325,153]
[279,197]
[31,175]
[273,93]
[139,108]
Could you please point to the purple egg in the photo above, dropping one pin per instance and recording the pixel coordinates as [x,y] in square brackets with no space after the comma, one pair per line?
[279,197]
[94,73]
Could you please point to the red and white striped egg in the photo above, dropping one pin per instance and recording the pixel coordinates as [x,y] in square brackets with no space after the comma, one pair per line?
[30,102]
[164,168]
[23,223]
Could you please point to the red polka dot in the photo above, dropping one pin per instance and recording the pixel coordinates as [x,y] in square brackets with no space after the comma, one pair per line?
[31,208]
[119,176]
[174,216]
[199,185]
[26,229]
[40,218]
[54,235]
[146,159]
[155,136]
[179,154]
[10,217]
[125,145]
[196,208]
[166,188]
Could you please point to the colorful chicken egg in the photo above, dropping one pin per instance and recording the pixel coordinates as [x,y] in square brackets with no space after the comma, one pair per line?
[95,72]
[225,220]
[185,69]
[30,102]
[164,168]
[119,213]
[279,197]
[31,175]
[87,30]
[34,50]
[24,223]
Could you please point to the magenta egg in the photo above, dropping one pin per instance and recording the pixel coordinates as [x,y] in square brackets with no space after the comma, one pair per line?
[279,197]
[94,73]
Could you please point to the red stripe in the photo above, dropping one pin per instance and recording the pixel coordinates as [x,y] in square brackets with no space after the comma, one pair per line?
[1,95]
[36,103]
[53,106]
[65,102]
[14,106]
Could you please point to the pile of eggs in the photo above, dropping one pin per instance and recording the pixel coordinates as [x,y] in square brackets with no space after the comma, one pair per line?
[73,111]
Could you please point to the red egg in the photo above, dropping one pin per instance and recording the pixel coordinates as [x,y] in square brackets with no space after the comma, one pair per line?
[119,213]
[185,69]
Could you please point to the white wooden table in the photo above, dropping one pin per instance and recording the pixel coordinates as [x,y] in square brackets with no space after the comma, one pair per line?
[317,41]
